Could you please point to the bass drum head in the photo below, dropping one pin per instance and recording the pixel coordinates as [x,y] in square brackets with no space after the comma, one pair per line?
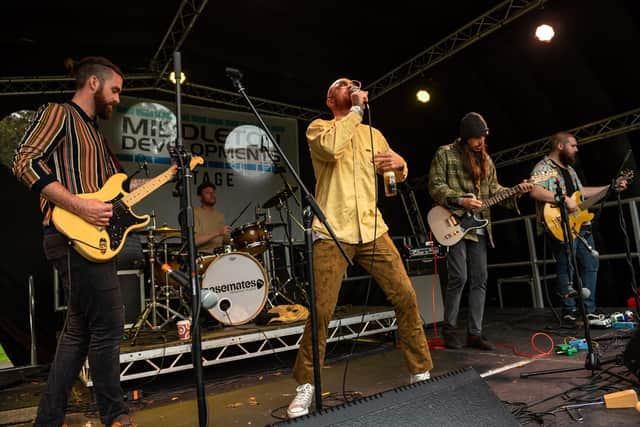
[241,285]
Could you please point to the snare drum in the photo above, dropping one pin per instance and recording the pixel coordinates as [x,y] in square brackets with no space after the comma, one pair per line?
[251,238]
[241,285]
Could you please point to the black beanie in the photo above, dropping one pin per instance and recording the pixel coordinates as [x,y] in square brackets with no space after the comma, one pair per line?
[473,125]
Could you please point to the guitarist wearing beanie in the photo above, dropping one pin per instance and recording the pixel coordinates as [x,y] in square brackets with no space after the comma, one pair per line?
[461,178]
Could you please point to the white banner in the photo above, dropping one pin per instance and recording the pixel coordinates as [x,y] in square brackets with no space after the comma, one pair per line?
[239,158]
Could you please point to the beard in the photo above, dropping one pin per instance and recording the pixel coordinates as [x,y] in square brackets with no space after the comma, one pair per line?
[103,108]
[567,159]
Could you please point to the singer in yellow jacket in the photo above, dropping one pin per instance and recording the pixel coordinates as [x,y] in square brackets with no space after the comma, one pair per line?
[347,156]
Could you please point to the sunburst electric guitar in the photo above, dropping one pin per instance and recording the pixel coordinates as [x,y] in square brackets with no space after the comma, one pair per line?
[449,227]
[552,215]
[100,244]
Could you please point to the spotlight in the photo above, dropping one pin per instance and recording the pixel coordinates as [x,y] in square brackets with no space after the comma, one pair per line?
[545,33]
[172,77]
[423,96]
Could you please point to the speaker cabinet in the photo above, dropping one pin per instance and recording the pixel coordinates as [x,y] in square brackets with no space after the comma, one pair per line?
[459,398]
[429,296]
[132,288]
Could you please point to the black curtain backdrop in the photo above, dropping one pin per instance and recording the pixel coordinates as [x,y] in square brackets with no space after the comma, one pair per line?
[22,256]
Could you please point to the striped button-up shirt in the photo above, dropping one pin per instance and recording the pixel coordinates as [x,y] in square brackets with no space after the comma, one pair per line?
[63,144]
[448,180]
[345,178]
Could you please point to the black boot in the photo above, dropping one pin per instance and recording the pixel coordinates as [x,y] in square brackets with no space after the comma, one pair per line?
[452,339]
[481,342]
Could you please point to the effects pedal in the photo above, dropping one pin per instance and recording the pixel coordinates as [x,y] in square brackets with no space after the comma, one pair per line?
[604,322]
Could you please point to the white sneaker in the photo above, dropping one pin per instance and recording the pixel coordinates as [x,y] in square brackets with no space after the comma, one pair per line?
[422,376]
[300,404]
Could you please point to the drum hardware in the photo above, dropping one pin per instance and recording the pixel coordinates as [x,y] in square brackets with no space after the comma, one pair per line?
[153,249]
[281,202]
[280,197]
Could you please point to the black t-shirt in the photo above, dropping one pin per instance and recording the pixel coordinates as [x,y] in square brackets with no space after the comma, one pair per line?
[568,181]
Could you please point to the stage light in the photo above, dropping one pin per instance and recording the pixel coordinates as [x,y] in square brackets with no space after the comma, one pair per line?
[423,96]
[172,77]
[545,33]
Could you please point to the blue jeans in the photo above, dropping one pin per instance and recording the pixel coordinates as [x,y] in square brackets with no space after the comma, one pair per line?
[466,261]
[587,268]
[94,325]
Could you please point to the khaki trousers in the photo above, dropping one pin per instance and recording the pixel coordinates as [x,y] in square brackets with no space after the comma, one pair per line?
[387,269]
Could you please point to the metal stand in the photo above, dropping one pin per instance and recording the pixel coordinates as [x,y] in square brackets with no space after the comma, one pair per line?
[183,188]
[153,305]
[592,361]
[312,208]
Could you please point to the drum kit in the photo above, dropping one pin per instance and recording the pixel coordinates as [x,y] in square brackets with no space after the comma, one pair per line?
[242,273]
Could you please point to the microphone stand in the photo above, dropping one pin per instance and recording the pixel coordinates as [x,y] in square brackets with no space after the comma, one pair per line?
[592,361]
[311,209]
[183,189]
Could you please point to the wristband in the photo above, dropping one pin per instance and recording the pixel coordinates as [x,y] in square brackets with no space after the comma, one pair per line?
[357,109]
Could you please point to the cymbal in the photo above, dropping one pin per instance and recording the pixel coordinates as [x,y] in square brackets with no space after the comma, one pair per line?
[280,197]
[165,230]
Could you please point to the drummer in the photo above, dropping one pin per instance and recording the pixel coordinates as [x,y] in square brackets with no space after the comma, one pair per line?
[211,233]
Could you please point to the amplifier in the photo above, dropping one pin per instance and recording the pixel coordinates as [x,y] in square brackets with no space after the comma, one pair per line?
[430,249]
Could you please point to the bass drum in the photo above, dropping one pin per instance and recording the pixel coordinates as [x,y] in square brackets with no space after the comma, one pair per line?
[241,285]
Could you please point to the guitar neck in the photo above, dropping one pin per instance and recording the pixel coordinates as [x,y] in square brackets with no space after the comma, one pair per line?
[594,199]
[148,187]
[499,197]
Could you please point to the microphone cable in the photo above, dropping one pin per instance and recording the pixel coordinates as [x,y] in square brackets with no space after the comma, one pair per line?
[371,268]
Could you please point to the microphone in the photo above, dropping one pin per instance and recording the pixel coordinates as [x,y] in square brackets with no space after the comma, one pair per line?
[594,253]
[233,73]
[354,89]
[208,298]
[585,293]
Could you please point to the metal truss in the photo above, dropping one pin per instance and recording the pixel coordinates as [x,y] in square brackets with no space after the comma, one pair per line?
[180,27]
[233,99]
[63,84]
[475,30]
[596,131]
[247,344]
[11,86]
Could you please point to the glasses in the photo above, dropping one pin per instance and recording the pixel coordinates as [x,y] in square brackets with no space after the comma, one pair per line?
[348,83]
[339,84]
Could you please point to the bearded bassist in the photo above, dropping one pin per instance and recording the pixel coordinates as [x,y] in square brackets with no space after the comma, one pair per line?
[560,161]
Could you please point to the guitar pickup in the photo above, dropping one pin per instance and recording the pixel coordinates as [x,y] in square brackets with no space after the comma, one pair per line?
[103,245]
[452,220]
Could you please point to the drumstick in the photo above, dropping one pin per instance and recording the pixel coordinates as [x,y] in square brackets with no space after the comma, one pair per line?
[240,214]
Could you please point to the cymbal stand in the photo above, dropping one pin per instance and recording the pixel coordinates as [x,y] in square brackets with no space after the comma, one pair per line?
[167,290]
[289,256]
[151,307]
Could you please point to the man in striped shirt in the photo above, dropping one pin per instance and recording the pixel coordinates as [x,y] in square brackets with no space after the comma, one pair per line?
[62,154]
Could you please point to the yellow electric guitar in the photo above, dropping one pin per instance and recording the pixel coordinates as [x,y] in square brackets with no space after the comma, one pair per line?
[552,216]
[100,244]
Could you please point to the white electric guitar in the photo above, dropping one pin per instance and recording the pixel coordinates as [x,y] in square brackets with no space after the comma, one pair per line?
[449,227]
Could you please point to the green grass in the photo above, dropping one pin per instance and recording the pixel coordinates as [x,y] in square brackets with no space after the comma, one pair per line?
[3,356]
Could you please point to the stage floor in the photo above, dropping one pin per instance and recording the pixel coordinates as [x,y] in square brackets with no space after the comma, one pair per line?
[255,391]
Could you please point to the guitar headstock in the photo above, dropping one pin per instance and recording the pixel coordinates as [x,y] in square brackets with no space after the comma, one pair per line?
[626,174]
[534,179]
[195,161]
